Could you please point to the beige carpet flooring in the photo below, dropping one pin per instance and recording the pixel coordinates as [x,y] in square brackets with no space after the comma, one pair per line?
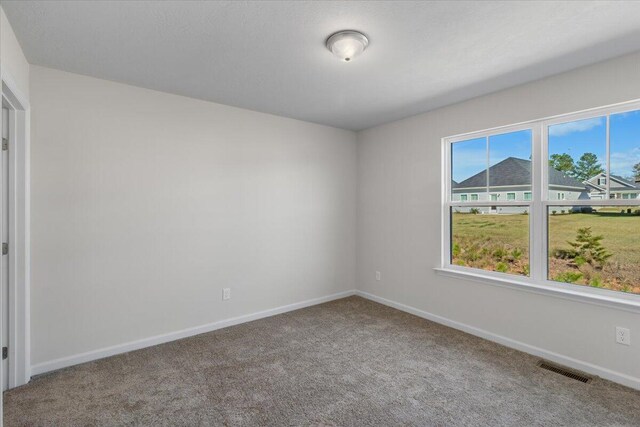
[350,362]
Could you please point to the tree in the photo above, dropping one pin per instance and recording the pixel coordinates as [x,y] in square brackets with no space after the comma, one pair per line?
[636,171]
[587,167]
[588,248]
[562,162]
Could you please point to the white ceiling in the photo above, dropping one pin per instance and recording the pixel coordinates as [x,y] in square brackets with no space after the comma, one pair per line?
[270,56]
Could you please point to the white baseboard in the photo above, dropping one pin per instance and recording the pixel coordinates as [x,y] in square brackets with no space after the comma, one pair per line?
[89,356]
[580,365]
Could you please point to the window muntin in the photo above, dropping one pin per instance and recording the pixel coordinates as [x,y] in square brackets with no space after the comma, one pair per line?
[474,197]
[511,196]
[599,132]
[510,161]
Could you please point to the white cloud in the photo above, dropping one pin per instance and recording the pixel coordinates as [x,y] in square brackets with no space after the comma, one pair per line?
[622,162]
[579,126]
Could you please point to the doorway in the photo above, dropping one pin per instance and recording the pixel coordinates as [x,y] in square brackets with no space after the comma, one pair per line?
[4,242]
[14,236]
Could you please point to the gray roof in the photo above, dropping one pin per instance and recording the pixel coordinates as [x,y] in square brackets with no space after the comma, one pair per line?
[515,172]
[621,183]
[626,181]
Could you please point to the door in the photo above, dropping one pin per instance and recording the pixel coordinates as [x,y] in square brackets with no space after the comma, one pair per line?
[4,238]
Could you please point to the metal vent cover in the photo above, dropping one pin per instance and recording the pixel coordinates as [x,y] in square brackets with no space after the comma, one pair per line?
[564,371]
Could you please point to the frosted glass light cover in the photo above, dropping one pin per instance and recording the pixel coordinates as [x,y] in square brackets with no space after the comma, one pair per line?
[346,45]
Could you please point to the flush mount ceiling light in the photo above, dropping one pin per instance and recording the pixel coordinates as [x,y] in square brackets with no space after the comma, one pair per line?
[346,45]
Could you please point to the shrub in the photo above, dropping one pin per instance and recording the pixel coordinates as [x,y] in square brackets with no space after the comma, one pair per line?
[526,269]
[568,277]
[596,282]
[562,211]
[499,254]
[502,267]
[590,248]
[516,253]
[579,261]
[474,211]
[554,212]
[629,210]
[455,251]
[565,254]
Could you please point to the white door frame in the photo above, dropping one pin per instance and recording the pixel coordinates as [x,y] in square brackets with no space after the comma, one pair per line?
[19,232]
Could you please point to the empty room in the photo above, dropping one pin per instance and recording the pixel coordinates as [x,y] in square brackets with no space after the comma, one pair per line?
[320,213]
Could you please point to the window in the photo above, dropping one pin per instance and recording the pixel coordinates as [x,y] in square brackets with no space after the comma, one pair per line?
[493,237]
[463,197]
[577,224]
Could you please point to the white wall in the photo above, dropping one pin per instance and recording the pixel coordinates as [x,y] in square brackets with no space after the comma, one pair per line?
[399,221]
[145,205]
[12,59]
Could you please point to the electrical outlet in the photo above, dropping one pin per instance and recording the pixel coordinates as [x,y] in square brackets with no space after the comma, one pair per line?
[623,336]
[378,276]
[226,294]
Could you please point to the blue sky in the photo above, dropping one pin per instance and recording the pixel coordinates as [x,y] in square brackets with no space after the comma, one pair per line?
[470,157]
[574,138]
[625,142]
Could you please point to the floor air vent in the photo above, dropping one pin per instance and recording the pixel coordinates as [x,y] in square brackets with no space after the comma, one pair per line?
[564,371]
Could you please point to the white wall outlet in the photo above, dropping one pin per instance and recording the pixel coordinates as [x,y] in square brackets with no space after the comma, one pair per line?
[378,276]
[226,294]
[623,336]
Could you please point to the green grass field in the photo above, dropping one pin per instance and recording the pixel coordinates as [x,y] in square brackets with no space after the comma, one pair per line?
[500,243]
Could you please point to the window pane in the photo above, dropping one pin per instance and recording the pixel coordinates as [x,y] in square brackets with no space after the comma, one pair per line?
[494,239]
[577,159]
[469,168]
[599,248]
[510,164]
[624,137]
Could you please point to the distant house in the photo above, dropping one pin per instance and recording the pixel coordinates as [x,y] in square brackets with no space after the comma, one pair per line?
[510,180]
[619,188]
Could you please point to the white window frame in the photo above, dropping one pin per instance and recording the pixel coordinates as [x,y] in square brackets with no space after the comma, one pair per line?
[538,213]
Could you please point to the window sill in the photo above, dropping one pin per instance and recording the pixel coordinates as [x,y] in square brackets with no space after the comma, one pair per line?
[631,304]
